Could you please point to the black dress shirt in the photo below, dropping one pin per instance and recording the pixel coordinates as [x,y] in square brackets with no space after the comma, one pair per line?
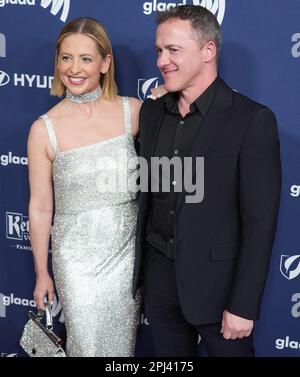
[175,139]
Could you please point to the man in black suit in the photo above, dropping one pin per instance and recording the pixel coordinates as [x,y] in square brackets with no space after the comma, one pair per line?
[203,264]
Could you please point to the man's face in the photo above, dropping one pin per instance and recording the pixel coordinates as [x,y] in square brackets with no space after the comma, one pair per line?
[180,57]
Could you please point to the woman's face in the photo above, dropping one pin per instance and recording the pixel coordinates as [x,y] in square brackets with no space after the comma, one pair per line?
[79,63]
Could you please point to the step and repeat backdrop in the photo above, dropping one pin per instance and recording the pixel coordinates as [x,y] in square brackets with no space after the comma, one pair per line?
[260,58]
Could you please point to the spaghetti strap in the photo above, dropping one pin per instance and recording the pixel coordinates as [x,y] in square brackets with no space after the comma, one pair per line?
[51,133]
[127,114]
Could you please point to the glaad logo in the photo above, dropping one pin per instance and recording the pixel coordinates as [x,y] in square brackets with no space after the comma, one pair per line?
[145,86]
[296,47]
[287,343]
[17,226]
[152,6]
[217,7]
[10,159]
[4,78]
[56,309]
[290,266]
[12,300]
[16,2]
[296,307]
[56,6]
[2,46]
[6,301]
[295,191]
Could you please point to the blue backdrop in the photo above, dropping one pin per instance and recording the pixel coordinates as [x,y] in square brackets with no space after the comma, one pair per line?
[260,58]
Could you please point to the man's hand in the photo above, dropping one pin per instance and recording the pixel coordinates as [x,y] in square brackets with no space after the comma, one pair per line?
[234,327]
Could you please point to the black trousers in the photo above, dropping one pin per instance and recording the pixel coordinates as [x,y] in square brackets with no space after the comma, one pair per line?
[172,335]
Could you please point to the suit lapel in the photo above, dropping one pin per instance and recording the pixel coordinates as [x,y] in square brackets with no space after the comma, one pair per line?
[211,126]
[213,121]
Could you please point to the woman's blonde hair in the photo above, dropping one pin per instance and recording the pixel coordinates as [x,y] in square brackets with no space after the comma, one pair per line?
[93,29]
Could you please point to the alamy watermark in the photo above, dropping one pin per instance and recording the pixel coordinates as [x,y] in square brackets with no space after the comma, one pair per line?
[122,174]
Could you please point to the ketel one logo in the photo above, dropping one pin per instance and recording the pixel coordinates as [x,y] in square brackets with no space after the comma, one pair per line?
[4,78]
[290,266]
[145,86]
[56,5]
[217,7]
[17,226]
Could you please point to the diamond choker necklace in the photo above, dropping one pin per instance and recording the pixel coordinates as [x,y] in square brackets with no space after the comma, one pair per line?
[84,98]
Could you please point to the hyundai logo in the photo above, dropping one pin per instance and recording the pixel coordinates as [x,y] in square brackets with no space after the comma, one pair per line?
[4,78]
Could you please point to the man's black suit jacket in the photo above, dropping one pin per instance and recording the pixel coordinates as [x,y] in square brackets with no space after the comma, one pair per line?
[223,244]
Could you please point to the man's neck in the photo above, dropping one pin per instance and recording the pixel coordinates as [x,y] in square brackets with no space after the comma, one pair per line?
[189,95]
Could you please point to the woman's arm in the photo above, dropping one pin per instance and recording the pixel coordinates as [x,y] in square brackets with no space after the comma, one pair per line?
[40,208]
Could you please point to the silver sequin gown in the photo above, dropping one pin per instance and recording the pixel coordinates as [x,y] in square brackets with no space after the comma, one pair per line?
[93,240]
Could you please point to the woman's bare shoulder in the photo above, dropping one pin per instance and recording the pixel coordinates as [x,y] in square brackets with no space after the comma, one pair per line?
[37,128]
[135,104]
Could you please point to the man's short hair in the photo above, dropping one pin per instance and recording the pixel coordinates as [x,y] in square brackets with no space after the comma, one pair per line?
[202,21]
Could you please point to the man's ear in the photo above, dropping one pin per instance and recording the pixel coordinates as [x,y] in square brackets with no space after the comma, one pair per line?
[210,51]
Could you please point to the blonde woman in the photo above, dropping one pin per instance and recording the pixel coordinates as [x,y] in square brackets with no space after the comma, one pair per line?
[93,234]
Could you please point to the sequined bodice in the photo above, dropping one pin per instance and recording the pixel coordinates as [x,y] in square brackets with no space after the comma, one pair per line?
[96,175]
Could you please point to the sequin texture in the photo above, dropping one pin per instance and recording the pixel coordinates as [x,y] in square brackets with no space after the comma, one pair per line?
[93,241]
[84,98]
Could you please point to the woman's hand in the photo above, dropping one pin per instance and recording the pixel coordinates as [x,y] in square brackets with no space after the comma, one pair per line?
[44,287]
[158,92]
